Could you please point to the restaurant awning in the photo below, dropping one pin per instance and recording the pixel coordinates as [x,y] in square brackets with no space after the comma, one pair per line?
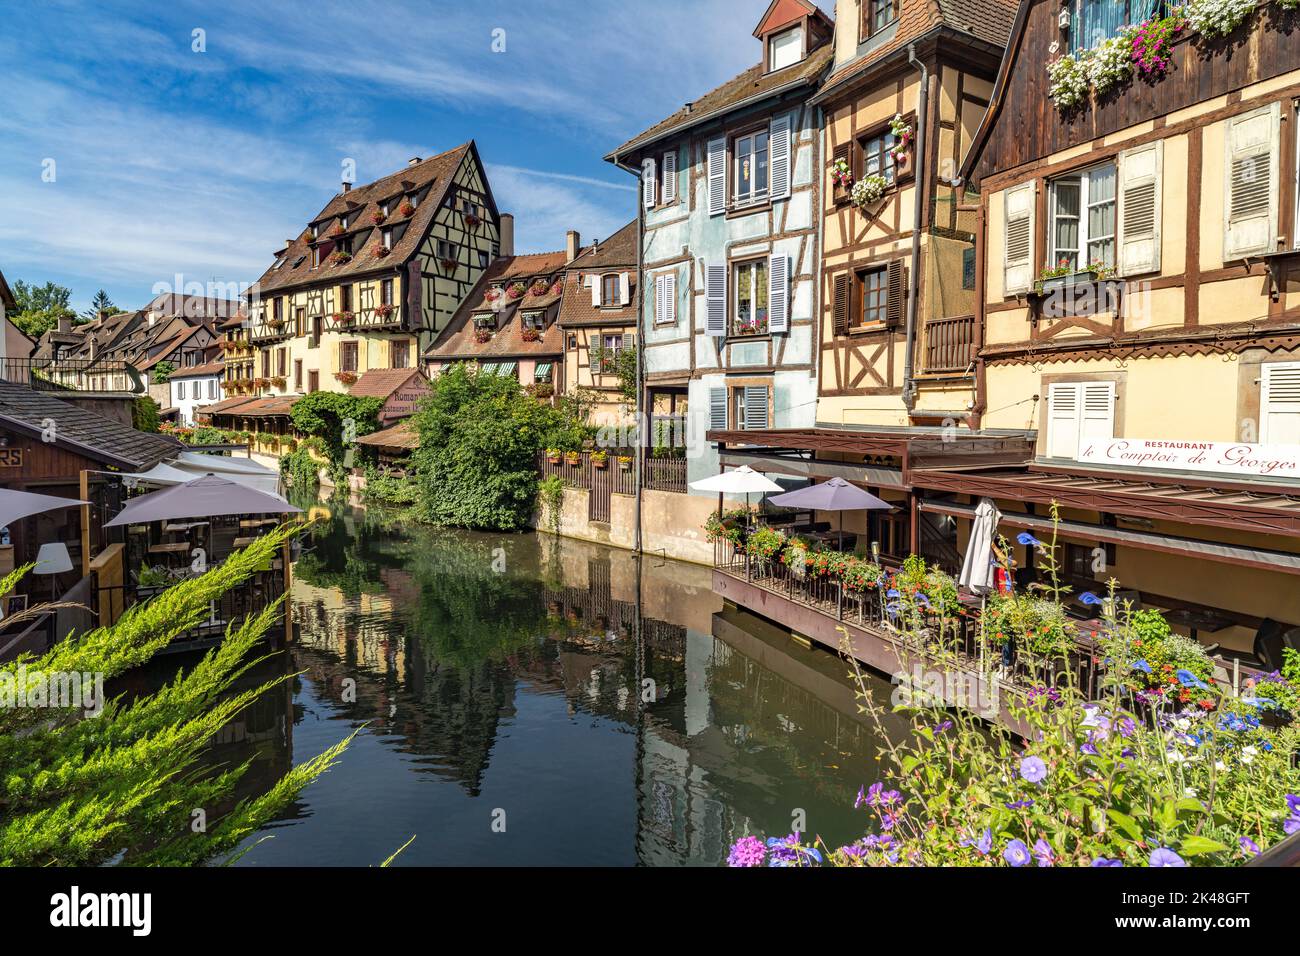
[16,505]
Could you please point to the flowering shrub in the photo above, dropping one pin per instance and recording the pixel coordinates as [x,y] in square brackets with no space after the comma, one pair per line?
[1217,18]
[384,310]
[764,544]
[492,294]
[530,335]
[406,209]
[842,175]
[725,527]
[1037,625]
[378,216]
[539,287]
[380,250]
[346,378]
[868,190]
[1280,690]
[1151,44]
[1148,658]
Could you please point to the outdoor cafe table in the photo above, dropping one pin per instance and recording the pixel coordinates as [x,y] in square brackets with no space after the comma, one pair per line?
[176,547]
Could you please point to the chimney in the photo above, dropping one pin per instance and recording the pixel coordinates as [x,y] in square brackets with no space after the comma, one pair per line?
[65,322]
[507,234]
[414,161]
[573,243]
[347,186]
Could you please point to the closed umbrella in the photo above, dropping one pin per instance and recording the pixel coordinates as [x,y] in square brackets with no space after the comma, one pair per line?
[834,495]
[977,568]
[209,496]
[16,505]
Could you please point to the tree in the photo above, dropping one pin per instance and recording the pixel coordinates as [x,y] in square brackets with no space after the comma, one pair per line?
[336,419]
[40,307]
[123,786]
[144,414]
[621,363]
[100,304]
[161,372]
[480,435]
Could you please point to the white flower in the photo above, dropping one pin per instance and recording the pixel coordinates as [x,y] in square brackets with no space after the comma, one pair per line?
[1190,792]
[1182,723]
[1248,754]
[1220,765]
[869,189]
[1176,756]
[1217,18]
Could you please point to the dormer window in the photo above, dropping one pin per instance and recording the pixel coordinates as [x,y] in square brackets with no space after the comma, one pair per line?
[877,15]
[784,49]
[383,207]
[386,237]
[609,292]
[534,320]
[414,200]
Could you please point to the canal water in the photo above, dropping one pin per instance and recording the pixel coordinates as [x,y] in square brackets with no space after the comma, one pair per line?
[527,700]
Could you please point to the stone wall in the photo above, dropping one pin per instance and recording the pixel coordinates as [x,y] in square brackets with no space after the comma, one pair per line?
[671,523]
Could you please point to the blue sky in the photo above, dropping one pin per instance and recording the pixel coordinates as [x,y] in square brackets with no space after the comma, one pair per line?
[168,161]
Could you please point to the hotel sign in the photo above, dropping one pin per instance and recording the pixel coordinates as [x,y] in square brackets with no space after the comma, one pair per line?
[11,457]
[1221,458]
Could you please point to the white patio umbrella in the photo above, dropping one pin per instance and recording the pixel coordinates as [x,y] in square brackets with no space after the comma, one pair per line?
[742,481]
[15,505]
[977,568]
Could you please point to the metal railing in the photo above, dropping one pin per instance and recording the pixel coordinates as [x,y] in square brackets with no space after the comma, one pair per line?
[579,471]
[72,375]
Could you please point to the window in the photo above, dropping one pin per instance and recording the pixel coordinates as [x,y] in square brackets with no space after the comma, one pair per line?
[297,375]
[383,207]
[386,238]
[345,298]
[875,297]
[785,49]
[180,391]
[414,200]
[876,15]
[300,320]
[1097,20]
[399,354]
[1295,219]
[534,320]
[610,346]
[878,157]
[317,327]
[1280,404]
[386,292]
[1083,219]
[751,168]
[212,388]
[315,256]
[483,259]
[282,362]
[446,250]
[313,381]
[343,221]
[609,291]
[1077,411]
[751,406]
[348,357]
[277,309]
[751,298]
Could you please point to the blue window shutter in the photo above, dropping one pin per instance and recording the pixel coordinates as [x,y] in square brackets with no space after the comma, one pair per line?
[715,295]
[717,409]
[778,294]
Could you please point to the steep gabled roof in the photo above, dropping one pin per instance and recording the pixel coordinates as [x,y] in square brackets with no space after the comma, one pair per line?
[84,432]
[360,203]
[748,88]
[782,13]
[991,114]
[7,296]
[383,382]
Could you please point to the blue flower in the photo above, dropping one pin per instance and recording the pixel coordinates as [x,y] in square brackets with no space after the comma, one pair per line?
[1016,853]
[1029,540]
[1188,679]
[1033,769]
[1165,857]
[1249,846]
[1043,853]
[1142,666]
[982,845]
[1088,598]
[1103,861]
[893,593]
[922,600]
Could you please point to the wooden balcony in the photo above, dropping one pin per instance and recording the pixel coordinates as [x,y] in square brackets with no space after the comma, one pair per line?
[949,345]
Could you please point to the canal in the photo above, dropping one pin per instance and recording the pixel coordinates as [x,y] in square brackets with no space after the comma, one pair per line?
[525,700]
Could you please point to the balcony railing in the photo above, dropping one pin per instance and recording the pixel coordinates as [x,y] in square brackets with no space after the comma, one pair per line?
[950,344]
[72,375]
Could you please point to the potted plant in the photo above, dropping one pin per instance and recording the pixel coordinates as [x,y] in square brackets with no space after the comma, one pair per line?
[378,217]
[344,318]
[539,288]
[472,220]
[902,134]
[338,230]
[406,208]
[600,459]
[379,251]
[384,310]
[340,256]
[531,335]
[279,381]
[493,294]
[625,462]
[482,336]
[553,455]
[261,382]
[842,176]
[557,287]
[868,190]
[573,458]
[516,290]
[346,378]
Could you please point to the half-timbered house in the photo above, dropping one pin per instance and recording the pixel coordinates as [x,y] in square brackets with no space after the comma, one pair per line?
[730,193]
[375,276]
[1140,300]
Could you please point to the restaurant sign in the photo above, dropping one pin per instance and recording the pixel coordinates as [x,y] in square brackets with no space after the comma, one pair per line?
[1223,458]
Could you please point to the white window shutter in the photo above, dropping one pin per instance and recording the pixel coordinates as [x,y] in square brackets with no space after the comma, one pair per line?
[779,157]
[629,341]
[1251,183]
[715,297]
[1097,418]
[659,299]
[624,290]
[1140,186]
[718,409]
[1280,404]
[670,298]
[1018,239]
[717,176]
[755,406]
[596,286]
[649,185]
[1063,416]
[670,176]
[778,293]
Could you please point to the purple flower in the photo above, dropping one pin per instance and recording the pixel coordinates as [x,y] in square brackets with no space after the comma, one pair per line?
[1291,826]
[1126,727]
[1103,861]
[1087,597]
[1293,802]
[861,799]
[747,851]
[982,845]
[789,851]
[1016,853]
[1028,540]
[1033,769]
[1248,846]
[1165,857]
[1043,853]
[1020,805]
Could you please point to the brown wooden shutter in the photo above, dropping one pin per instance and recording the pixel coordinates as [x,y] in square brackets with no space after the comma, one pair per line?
[897,293]
[841,307]
[843,152]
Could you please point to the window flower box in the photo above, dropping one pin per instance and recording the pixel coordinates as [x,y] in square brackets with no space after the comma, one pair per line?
[539,288]
[868,191]
[558,287]
[346,378]
[406,209]
[380,251]
[261,383]
[344,319]
[339,257]
[279,381]
[531,335]
[1064,276]
[751,327]
[492,295]
[275,323]
[600,459]
[472,221]
[338,230]
[625,462]
[573,458]
[516,290]
[384,310]
[378,217]
[553,456]
[482,336]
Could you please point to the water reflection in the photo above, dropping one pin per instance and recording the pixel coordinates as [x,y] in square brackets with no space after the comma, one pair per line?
[512,678]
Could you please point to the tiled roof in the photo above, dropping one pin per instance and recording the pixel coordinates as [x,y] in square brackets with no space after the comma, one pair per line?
[276,406]
[618,253]
[619,249]
[457,340]
[227,405]
[361,203]
[751,85]
[168,348]
[87,433]
[401,437]
[191,371]
[988,20]
[383,382]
